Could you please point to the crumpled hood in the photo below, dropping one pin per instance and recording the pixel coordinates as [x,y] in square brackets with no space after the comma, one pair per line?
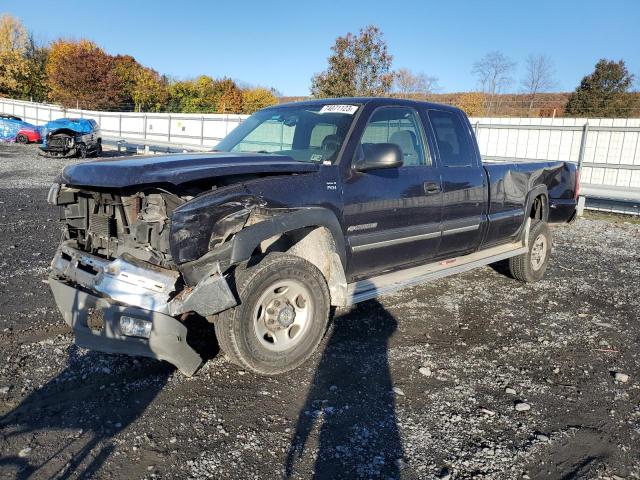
[177,169]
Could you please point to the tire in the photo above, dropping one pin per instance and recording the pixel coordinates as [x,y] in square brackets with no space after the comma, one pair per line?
[531,266]
[22,139]
[282,315]
[81,150]
[98,150]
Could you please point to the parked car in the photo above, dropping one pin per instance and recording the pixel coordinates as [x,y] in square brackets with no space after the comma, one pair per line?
[301,207]
[15,130]
[28,134]
[71,137]
[10,117]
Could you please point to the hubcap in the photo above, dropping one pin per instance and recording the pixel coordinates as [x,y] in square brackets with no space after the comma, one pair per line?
[282,315]
[538,252]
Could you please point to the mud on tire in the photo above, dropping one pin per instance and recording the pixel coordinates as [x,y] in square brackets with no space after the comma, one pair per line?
[531,266]
[282,315]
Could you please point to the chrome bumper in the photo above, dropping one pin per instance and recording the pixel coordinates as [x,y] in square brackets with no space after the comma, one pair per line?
[89,290]
[140,284]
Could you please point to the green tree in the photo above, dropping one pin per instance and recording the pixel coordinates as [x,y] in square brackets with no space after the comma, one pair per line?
[14,67]
[257,98]
[359,65]
[603,93]
[34,86]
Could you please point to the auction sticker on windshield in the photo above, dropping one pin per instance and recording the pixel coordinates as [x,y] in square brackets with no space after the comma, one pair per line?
[348,109]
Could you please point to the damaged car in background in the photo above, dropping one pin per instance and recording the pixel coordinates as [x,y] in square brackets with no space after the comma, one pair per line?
[301,207]
[71,137]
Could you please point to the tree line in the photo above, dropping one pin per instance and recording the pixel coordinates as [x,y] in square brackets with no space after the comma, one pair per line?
[361,65]
[80,74]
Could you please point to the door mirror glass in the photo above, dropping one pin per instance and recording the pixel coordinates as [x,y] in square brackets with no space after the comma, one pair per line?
[374,156]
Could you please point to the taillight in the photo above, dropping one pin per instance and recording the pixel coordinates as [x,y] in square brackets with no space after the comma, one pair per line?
[577,193]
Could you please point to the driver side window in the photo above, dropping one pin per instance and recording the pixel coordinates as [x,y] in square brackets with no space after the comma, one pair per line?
[400,126]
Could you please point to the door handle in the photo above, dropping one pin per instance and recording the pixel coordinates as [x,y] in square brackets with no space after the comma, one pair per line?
[431,187]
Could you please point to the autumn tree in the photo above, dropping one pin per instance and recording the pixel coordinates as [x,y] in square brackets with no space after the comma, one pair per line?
[81,74]
[494,72]
[539,72]
[358,65]
[603,93]
[229,96]
[254,99]
[126,68]
[150,91]
[406,82]
[14,67]
[472,103]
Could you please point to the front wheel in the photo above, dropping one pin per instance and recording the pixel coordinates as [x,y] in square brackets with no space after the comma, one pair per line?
[22,138]
[282,315]
[81,150]
[531,266]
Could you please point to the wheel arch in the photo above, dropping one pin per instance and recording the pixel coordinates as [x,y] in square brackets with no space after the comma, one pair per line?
[312,233]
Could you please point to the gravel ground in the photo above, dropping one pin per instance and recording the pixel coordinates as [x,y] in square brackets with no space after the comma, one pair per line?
[474,376]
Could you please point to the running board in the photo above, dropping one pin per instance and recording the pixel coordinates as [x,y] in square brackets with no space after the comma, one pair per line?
[410,277]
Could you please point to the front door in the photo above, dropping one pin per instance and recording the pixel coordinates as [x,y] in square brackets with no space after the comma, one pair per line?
[392,215]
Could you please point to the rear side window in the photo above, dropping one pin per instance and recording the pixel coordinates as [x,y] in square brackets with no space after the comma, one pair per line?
[452,139]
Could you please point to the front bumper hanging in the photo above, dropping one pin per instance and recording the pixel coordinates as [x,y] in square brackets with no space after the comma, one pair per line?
[94,294]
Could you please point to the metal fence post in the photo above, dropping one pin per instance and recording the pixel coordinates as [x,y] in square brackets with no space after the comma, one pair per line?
[169,132]
[202,131]
[583,145]
[120,125]
[144,124]
[475,128]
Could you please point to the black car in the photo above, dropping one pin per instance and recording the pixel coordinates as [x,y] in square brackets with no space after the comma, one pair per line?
[71,137]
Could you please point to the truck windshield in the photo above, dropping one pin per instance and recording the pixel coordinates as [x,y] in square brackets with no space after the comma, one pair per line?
[305,133]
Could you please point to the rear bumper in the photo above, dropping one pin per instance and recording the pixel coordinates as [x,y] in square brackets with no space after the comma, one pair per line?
[91,291]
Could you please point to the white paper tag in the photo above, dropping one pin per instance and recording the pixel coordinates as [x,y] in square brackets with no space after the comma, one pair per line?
[348,109]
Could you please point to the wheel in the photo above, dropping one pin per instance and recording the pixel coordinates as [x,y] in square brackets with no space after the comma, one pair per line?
[81,150]
[98,150]
[22,138]
[530,266]
[282,315]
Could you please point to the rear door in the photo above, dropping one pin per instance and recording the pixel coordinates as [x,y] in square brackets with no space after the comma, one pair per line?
[464,183]
[392,215]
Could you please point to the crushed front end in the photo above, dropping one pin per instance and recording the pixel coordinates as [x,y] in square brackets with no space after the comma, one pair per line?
[114,279]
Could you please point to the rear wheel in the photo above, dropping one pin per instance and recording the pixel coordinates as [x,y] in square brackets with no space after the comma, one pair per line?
[531,266]
[22,138]
[282,316]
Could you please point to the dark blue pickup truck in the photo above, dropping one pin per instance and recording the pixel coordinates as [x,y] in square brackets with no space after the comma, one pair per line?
[301,207]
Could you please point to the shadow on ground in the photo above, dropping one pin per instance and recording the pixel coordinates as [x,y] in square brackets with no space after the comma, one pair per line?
[83,408]
[350,405]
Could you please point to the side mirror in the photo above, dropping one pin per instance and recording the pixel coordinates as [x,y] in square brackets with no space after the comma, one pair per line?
[374,156]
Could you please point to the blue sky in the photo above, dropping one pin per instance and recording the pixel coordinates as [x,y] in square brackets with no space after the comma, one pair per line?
[283,43]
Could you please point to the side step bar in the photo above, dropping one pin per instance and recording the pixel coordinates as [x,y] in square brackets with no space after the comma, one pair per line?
[410,277]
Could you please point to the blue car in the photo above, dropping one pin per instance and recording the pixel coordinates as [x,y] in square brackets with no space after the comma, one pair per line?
[71,137]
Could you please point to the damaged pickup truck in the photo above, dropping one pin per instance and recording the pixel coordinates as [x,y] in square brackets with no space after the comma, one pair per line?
[301,207]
